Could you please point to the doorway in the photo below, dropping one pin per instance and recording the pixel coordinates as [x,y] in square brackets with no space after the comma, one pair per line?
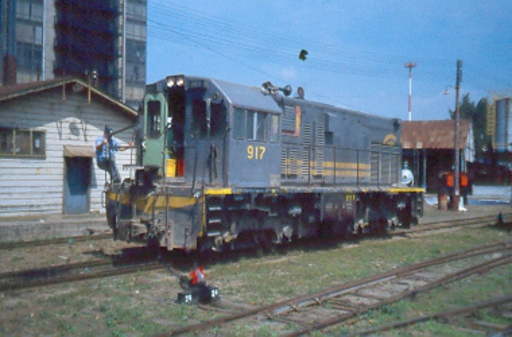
[77,185]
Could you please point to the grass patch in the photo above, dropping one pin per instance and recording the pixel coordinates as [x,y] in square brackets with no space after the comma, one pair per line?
[142,304]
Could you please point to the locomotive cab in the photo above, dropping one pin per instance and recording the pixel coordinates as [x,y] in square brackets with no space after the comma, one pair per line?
[197,130]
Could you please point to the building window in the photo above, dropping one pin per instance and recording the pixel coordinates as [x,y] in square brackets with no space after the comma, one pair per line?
[38,35]
[22,143]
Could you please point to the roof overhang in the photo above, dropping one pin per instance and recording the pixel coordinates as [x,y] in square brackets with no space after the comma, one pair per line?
[19,90]
[72,151]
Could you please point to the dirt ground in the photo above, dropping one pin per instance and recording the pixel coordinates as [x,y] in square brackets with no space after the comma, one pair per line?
[80,251]
[142,304]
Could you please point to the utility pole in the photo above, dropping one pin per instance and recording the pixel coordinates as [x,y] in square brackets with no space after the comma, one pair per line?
[456,175]
[410,65]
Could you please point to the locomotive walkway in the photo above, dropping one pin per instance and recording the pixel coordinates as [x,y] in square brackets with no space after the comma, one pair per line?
[486,200]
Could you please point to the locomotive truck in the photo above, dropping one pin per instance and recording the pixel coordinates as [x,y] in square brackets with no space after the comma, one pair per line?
[224,166]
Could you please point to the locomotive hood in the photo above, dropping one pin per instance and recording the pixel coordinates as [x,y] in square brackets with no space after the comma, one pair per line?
[242,96]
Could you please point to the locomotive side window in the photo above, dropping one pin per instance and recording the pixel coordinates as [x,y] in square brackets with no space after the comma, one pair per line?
[250,121]
[256,125]
[154,119]
[252,125]
[239,124]
[274,128]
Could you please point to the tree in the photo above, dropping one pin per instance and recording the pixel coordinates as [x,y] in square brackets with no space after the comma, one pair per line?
[478,116]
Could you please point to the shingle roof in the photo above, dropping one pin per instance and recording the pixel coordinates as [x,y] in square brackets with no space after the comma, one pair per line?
[438,134]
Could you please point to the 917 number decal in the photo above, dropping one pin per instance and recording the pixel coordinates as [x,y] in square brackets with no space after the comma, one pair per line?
[255,152]
[350,197]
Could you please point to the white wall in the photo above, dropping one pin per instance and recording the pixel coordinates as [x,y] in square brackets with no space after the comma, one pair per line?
[30,186]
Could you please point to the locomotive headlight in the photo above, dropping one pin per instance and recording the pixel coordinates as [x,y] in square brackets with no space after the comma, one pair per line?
[170,82]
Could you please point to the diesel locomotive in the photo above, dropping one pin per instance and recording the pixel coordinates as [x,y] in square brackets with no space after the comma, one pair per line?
[223,166]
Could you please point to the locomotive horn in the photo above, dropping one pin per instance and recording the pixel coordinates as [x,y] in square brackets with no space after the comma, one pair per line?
[269,88]
[287,90]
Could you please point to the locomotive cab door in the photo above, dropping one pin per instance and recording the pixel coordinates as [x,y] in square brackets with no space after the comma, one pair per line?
[154,130]
[164,132]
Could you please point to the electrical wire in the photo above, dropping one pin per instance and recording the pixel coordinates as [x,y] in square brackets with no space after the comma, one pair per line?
[237,41]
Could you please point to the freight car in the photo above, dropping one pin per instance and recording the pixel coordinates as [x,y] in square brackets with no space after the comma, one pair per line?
[223,166]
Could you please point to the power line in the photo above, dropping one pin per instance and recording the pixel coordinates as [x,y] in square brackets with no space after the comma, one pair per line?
[241,42]
[197,25]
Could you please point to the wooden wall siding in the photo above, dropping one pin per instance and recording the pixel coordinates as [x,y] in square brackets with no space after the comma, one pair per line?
[31,186]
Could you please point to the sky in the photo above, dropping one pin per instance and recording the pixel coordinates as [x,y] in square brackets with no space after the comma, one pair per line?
[357,49]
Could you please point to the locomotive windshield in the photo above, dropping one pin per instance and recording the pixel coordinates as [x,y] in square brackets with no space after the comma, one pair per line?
[202,119]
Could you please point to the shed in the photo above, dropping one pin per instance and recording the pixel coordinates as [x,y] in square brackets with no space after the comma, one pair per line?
[428,148]
[47,135]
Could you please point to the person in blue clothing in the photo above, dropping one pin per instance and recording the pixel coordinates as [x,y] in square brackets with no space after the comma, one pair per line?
[106,148]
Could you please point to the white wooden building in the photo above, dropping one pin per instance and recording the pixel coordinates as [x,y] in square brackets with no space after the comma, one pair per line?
[47,155]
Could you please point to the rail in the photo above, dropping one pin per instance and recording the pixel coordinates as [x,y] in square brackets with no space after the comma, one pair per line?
[337,296]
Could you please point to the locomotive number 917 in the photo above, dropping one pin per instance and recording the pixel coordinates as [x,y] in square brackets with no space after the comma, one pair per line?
[223,166]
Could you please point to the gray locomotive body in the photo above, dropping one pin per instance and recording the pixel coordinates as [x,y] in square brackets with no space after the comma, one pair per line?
[224,165]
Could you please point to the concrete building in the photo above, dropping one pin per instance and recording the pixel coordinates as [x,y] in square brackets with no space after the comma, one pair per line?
[47,157]
[103,41]
[428,148]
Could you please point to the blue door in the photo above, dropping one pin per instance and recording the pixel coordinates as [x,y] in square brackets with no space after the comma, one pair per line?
[77,185]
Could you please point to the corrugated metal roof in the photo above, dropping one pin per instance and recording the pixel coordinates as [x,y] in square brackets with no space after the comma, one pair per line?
[438,134]
[11,91]
[8,92]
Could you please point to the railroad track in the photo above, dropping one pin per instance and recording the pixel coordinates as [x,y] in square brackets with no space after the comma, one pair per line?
[81,271]
[456,317]
[330,307]
[55,241]
[108,267]
[483,221]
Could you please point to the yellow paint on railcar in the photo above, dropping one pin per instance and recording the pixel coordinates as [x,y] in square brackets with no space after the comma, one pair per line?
[218,191]
[153,202]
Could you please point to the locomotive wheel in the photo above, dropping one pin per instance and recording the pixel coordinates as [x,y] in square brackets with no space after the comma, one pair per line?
[112,217]
[381,226]
[325,229]
[265,240]
[153,243]
[405,219]
[111,214]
